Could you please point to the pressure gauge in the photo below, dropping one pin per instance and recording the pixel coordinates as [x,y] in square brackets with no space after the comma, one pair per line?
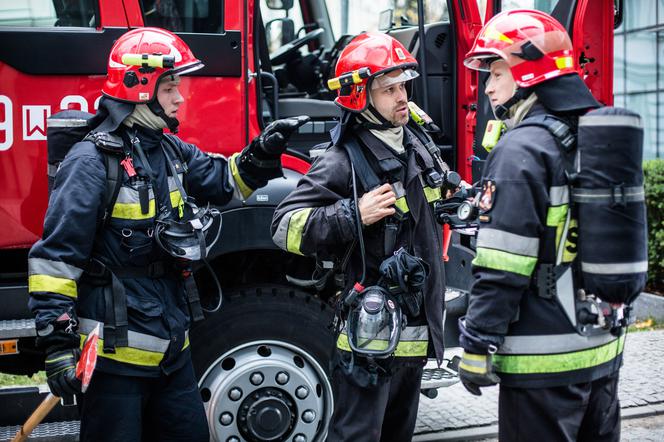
[467,211]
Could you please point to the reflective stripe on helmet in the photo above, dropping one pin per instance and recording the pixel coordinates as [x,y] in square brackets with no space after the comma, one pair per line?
[509,262]
[558,363]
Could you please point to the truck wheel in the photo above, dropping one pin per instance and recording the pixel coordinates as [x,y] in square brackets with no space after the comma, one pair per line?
[262,364]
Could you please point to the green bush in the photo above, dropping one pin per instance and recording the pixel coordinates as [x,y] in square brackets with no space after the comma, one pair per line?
[654,184]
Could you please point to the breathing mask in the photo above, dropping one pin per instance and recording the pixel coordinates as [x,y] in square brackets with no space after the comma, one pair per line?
[374,324]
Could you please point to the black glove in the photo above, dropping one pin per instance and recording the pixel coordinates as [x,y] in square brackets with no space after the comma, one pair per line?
[260,160]
[271,143]
[476,371]
[60,368]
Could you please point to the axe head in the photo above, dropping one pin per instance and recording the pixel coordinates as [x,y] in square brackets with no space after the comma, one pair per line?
[86,364]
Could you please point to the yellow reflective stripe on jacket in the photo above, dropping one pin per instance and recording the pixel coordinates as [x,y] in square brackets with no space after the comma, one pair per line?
[245,190]
[404,348]
[509,262]
[132,210]
[53,284]
[556,215]
[177,202]
[561,362]
[400,193]
[402,205]
[129,355]
[296,225]
[432,194]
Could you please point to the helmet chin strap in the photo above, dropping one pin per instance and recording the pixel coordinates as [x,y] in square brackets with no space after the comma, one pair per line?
[502,111]
[383,124]
[159,111]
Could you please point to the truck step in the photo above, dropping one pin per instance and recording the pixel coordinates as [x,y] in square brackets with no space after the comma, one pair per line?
[433,378]
[17,328]
[66,431]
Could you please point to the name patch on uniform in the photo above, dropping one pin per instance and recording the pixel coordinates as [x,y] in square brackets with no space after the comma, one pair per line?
[488,197]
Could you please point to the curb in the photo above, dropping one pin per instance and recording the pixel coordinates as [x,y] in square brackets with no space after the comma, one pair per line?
[491,431]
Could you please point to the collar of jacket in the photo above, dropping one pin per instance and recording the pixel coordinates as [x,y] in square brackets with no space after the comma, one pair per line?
[149,138]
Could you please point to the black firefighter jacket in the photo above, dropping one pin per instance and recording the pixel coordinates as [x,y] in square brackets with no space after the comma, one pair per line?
[317,219]
[525,204]
[157,308]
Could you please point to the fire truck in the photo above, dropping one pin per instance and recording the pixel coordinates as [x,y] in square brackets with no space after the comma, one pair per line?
[264,60]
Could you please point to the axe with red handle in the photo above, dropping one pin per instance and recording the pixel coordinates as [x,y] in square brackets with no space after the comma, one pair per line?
[84,369]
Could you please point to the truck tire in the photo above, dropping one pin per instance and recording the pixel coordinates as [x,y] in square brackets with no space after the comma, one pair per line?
[262,363]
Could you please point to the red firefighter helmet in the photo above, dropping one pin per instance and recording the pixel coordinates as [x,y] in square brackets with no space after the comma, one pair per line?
[536,47]
[368,57]
[140,58]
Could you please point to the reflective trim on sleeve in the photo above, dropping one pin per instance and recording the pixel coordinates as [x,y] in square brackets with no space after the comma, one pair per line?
[296,224]
[559,195]
[556,215]
[618,268]
[611,120]
[507,242]
[549,344]
[473,363]
[509,262]
[561,362]
[42,266]
[245,190]
[52,284]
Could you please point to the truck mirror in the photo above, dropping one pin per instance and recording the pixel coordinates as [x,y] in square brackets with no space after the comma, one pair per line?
[279,32]
[279,4]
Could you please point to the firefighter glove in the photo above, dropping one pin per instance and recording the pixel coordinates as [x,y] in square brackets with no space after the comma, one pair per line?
[475,371]
[61,372]
[271,143]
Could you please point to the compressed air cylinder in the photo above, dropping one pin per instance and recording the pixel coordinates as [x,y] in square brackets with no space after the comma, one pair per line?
[610,203]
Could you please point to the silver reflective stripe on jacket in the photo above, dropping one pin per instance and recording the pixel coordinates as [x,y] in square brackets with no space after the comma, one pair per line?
[41,266]
[137,340]
[507,242]
[559,195]
[551,344]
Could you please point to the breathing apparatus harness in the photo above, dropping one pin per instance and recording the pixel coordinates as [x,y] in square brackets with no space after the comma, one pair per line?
[375,316]
[185,240]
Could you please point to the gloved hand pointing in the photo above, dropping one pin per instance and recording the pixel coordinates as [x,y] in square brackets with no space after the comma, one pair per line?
[260,161]
[272,141]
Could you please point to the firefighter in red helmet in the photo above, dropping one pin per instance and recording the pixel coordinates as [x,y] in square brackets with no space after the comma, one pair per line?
[366,206]
[118,248]
[556,381]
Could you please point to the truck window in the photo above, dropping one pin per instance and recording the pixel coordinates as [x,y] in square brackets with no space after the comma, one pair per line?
[356,16]
[195,16]
[48,13]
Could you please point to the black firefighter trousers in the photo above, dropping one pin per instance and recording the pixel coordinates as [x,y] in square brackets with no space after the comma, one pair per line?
[133,409]
[386,413]
[586,412]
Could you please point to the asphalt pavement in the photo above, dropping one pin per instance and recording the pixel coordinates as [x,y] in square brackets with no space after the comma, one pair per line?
[457,415]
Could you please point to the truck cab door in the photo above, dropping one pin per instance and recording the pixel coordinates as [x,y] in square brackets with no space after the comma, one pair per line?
[590,23]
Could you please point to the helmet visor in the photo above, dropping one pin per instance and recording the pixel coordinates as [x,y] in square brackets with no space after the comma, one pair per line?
[385,80]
